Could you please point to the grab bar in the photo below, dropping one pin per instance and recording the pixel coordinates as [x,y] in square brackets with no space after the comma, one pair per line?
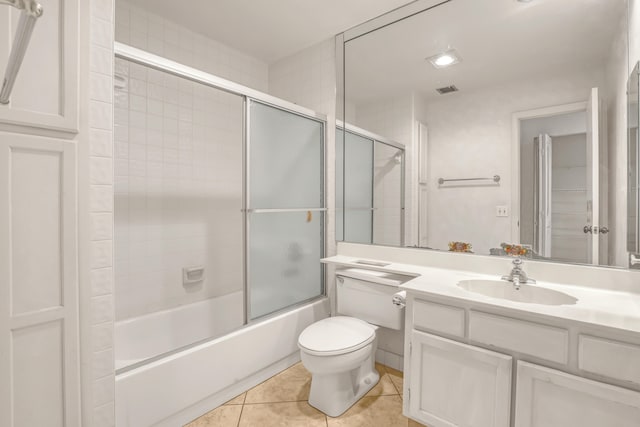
[31,11]
[496,179]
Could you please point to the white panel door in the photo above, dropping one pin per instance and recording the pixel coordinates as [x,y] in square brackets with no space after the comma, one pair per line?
[550,398]
[39,357]
[592,226]
[453,384]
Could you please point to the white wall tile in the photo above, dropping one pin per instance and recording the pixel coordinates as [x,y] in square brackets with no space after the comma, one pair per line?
[104,416]
[103,390]
[101,281]
[101,142]
[101,170]
[103,364]
[101,226]
[102,309]
[102,337]
[101,254]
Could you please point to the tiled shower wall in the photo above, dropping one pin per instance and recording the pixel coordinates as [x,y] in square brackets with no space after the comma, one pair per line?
[178,190]
[178,167]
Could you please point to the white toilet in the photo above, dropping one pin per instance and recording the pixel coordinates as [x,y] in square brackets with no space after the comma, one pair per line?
[340,351]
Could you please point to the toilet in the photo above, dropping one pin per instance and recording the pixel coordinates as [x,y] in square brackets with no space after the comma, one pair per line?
[339,351]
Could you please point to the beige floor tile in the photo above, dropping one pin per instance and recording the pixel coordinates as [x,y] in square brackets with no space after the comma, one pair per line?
[238,400]
[222,416]
[285,414]
[385,386]
[378,411]
[416,424]
[396,377]
[288,386]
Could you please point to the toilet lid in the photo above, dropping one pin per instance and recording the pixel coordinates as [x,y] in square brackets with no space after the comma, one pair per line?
[336,335]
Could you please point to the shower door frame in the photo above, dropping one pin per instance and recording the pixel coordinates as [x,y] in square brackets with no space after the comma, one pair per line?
[142,57]
[246,209]
[346,127]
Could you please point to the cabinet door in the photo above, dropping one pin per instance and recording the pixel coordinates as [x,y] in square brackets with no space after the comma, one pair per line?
[453,384]
[550,398]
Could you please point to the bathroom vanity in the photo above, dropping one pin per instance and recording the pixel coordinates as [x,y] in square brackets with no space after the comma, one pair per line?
[554,355]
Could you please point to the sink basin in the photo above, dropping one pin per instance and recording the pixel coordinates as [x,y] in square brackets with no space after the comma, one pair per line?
[530,294]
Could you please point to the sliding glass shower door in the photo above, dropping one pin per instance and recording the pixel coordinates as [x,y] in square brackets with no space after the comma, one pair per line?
[285,208]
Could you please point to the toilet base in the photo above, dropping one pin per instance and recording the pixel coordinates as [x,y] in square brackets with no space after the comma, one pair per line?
[334,393]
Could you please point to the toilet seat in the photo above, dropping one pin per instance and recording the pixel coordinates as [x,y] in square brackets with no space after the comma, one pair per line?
[336,335]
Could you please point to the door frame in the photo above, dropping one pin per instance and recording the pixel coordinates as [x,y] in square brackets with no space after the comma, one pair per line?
[516,118]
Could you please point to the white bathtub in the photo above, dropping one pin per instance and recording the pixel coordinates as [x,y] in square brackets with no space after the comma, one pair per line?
[157,333]
[178,388]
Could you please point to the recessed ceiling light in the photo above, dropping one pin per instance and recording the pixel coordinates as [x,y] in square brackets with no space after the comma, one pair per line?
[525,1]
[445,59]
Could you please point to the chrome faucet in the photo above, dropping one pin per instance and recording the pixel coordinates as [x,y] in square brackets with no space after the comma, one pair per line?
[517,275]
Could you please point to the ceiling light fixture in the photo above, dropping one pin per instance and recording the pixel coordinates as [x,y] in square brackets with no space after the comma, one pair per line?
[445,59]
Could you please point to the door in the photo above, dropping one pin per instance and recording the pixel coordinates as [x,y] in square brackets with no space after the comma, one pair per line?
[596,226]
[423,236]
[479,381]
[285,209]
[550,398]
[543,194]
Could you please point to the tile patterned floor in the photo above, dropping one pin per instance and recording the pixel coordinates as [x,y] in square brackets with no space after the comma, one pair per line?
[282,401]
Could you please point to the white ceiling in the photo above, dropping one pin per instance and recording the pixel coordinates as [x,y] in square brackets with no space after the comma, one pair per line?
[499,40]
[269,29]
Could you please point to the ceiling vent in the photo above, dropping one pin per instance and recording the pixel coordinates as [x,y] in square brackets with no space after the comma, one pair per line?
[447,89]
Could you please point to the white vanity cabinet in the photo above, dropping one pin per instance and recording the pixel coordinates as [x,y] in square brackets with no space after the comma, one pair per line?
[462,354]
[454,384]
[550,398]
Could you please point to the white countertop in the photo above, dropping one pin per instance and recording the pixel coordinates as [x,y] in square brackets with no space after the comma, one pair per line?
[600,307]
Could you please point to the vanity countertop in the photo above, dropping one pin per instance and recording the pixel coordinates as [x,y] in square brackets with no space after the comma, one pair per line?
[599,307]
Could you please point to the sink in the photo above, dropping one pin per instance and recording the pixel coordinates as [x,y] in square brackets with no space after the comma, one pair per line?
[530,294]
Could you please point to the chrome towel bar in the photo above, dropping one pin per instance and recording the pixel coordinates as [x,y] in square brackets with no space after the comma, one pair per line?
[31,11]
[496,179]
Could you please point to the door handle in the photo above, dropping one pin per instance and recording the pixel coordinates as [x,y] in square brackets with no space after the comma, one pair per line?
[595,229]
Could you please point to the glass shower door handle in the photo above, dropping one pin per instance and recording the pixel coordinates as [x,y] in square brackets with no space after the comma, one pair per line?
[286,210]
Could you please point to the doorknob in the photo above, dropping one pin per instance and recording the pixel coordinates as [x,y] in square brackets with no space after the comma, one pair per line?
[587,229]
[604,230]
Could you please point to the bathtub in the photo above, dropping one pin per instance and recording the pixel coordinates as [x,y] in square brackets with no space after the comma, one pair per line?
[177,388]
[158,333]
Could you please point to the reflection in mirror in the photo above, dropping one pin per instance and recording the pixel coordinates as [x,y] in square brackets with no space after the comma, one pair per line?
[479,89]
[370,187]
[633,156]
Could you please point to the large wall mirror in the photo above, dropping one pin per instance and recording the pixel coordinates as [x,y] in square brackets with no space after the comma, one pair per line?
[512,116]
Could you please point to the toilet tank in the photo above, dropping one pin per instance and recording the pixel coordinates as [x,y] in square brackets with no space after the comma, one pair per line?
[367,295]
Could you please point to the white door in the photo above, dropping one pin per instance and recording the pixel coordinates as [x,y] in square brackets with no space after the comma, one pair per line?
[39,350]
[550,398]
[596,227]
[422,186]
[453,384]
[543,181]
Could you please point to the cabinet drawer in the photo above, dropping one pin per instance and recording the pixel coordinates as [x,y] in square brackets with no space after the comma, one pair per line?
[438,318]
[613,359]
[545,342]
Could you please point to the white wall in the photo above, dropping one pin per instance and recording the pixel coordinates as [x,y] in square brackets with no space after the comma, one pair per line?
[470,136]
[140,28]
